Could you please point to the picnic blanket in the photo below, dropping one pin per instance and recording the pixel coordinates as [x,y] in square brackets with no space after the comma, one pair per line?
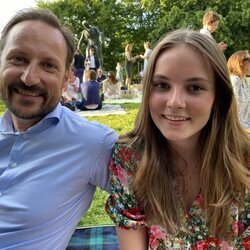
[107,109]
[94,238]
[124,100]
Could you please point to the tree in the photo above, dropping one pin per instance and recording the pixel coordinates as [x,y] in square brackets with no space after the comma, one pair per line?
[136,21]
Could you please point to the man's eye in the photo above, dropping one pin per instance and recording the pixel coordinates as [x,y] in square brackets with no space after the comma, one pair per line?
[49,66]
[17,60]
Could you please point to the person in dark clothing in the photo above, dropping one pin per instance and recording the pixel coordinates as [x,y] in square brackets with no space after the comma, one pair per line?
[92,61]
[90,91]
[79,64]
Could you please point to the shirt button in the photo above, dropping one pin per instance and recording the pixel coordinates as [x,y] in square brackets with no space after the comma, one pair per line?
[14,164]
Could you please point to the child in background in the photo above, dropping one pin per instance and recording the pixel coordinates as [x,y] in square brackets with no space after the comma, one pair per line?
[119,72]
[211,21]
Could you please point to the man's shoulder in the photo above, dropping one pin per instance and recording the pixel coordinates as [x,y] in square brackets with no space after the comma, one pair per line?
[80,123]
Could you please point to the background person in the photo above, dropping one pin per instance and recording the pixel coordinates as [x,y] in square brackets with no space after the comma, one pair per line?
[119,72]
[173,186]
[129,59]
[79,64]
[51,159]
[146,55]
[239,67]
[92,62]
[211,20]
[91,99]
[71,91]
[94,40]
[111,86]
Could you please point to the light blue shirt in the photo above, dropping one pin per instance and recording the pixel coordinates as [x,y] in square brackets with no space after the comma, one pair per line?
[48,176]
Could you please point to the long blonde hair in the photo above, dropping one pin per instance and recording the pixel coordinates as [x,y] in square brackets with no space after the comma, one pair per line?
[224,147]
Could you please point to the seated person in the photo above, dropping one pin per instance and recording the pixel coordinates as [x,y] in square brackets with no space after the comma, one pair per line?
[91,99]
[71,91]
[100,78]
[111,86]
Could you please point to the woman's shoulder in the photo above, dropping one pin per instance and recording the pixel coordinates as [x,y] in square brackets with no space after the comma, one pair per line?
[124,155]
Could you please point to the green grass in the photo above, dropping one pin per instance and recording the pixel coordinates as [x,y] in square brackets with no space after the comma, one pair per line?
[96,215]
[121,124]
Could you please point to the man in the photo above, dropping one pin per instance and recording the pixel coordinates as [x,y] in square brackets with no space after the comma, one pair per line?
[211,20]
[51,159]
[92,62]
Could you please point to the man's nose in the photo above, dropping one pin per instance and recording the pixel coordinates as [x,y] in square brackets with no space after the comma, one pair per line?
[30,75]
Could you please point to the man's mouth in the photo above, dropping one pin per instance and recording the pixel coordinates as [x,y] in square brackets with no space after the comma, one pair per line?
[27,93]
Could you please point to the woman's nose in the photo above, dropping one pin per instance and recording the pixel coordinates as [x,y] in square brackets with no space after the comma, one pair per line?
[176,99]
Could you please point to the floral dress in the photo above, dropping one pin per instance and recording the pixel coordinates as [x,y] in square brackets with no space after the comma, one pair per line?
[125,212]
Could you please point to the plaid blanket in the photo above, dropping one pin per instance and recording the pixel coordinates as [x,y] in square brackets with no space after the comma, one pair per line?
[94,238]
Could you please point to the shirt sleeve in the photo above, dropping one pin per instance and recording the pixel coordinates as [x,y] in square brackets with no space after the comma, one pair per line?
[121,204]
[100,175]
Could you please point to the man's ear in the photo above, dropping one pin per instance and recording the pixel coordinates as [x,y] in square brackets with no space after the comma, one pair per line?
[66,79]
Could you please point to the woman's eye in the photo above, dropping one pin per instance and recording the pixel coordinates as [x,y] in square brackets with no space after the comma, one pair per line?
[195,88]
[161,86]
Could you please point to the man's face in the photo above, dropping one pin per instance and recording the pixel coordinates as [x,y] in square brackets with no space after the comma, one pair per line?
[32,69]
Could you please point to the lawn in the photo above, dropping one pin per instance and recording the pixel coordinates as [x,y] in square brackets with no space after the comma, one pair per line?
[121,124]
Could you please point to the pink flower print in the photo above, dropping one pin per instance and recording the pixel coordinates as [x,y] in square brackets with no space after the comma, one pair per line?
[202,245]
[199,200]
[238,228]
[155,236]
[112,167]
[120,174]
[225,246]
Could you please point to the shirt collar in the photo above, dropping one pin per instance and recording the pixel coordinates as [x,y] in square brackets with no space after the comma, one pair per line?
[6,125]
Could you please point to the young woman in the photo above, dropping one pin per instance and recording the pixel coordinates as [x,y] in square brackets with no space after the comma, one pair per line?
[145,57]
[180,178]
[129,59]
[111,86]
[239,67]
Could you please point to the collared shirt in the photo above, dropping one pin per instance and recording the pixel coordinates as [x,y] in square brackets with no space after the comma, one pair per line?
[48,176]
[242,94]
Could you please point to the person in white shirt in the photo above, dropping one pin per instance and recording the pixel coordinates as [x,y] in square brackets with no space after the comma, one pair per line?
[239,67]
[111,86]
[211,20]
[147,53]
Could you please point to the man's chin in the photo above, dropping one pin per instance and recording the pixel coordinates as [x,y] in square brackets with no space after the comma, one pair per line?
[29,113]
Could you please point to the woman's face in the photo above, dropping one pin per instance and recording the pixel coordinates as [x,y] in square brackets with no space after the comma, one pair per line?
[246,64]
[182,93]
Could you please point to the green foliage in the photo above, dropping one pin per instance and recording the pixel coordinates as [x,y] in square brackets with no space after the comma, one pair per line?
[135,21]
[2,108]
